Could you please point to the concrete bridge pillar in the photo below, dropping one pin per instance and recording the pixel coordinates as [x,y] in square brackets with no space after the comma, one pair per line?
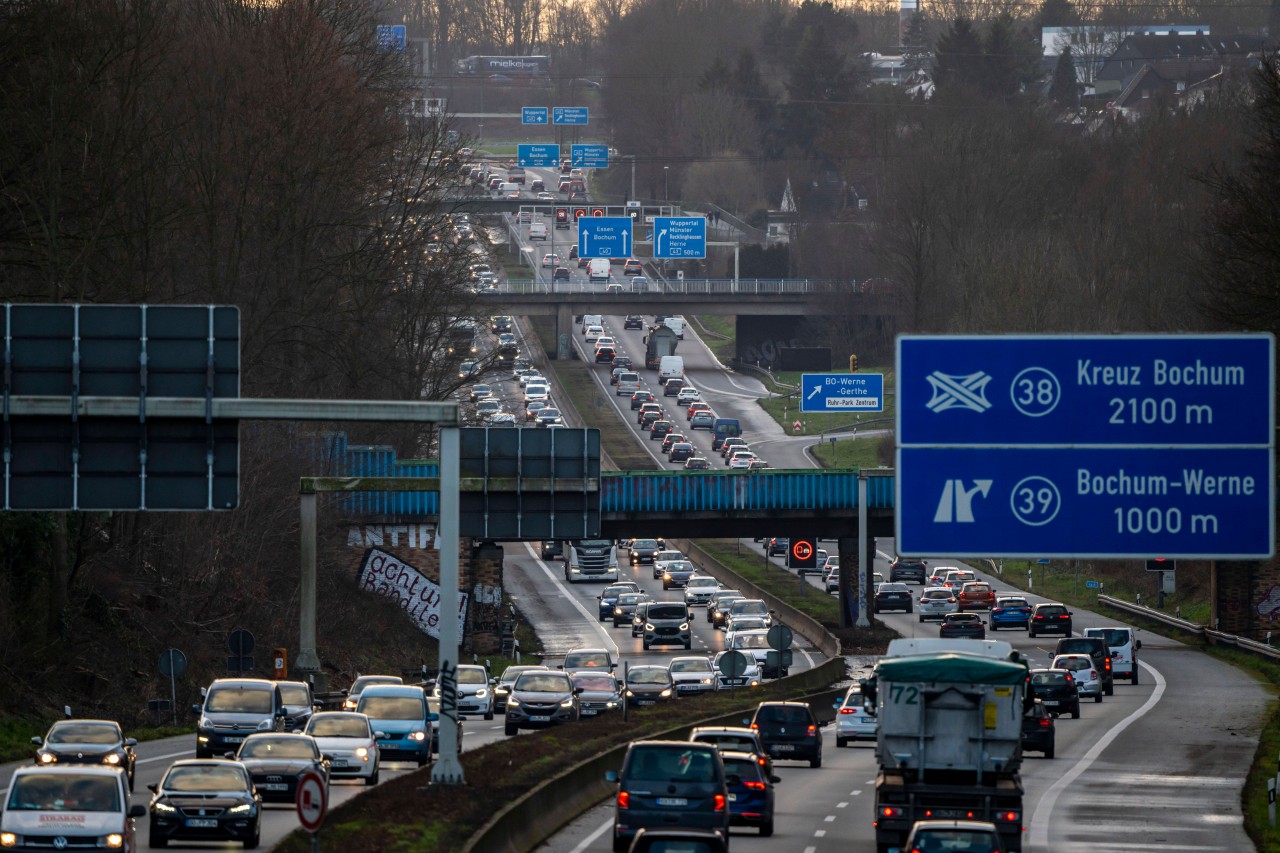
[564,328]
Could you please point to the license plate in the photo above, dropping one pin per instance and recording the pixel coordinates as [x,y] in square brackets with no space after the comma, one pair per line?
[784,747]
[198,823]
[1051,703]
[687,686]
[274,786]
[233,739]
[733,798]
[646,701]
[540,718]
[339,764]
[588,712]
[672,801]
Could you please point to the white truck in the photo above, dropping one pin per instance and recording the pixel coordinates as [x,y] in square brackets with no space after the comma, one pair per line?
[591,560]
[598,269]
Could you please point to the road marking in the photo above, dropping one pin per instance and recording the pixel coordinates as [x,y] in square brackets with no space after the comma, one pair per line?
[593,621]
[830,818]
[855,793]
[842,805]
[810,849]
[1040,827]
[819,833]
[591,839]
[165,757]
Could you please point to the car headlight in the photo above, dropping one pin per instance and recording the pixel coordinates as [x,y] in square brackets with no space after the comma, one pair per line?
[666,576]
[666,693]
[648,626]
[113,758]
[755,683]
[706,681]
[348,704]
[163,807]
[612,703]
[8,839]
[617,611]
[481,693]
[362,752]
[568,703]
[684,626]
[630,695]
[48,758]
[115,841]
[243,808]
[418,736]
[513,702]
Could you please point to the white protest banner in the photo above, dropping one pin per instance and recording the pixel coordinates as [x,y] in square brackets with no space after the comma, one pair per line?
[384,574]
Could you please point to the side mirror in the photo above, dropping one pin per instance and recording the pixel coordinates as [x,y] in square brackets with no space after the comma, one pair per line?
[37,741]
[1137,644]
[611,776]
[745,721]
[775,779]
[131,741]
[836,706]
[204,691]
[345,692]
[137,811]
[577,691]
[327,757]
[380,735]
[154,788]
[195,709]
[822,724]
[230,756]
[297,732]
[493,681]
[281,712]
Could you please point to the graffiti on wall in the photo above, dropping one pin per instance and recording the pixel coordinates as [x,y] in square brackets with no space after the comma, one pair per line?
[393,535]
[386,575]
[1269,605]
[762,339]
[486,608]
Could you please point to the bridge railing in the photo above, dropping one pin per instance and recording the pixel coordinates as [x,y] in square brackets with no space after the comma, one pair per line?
[687,287]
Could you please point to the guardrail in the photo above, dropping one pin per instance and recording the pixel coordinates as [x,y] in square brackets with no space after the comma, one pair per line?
[539,813]
[1218,638]
[677,287]
[800,622]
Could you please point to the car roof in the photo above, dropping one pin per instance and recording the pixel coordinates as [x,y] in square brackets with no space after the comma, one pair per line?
[241,682]
[392,690]
[78,769]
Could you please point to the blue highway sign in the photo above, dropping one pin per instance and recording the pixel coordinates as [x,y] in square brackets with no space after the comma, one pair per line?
[1092,585]
[392,37]
[842,392]
[568,115]
[604,237]
[679,236]
[534,115]
[538,155]
[1103,503]
[1086,390]
[589,156]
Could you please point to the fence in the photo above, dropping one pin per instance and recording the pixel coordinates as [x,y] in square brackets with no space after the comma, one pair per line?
[1218,638]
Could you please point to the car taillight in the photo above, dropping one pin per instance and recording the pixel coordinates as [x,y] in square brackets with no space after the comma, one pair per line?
[847,711]
[1046,722]
[890,811]
[997,610]
[1008,817]
[1064,616]
[624,799]
[1093,673]
[718,801]
[1106,664]
[755,727]
[813,730]
[755,786]
[762,761]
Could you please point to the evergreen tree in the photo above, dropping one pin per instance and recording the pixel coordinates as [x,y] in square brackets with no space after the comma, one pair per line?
[819,75]
[1058,13]
[958,61]
[915,45]
[1011,58]
[717,77]
[1065,90]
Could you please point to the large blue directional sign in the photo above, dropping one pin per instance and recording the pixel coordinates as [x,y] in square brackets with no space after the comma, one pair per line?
[533,115]
[589,156]
[568,115]
[1086,446]
[679,236]
[604,237]
[392,37]
[538,155]
[842,392]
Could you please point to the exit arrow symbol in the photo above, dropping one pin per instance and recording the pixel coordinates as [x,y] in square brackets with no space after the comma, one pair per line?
[814,392]
[658,244]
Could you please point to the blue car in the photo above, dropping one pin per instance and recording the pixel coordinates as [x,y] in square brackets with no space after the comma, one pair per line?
[750,790]
[401,720]
[609,597]
[1011,611]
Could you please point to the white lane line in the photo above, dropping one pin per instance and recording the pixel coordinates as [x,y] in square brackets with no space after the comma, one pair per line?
[855,793]
[1040,824]
[819,833]
[593,621]
[810,849]
[842,805]
[166,757]
[830,818]
[591,839]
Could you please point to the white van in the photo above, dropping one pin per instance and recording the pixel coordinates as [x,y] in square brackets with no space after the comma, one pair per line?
[505,189]
[675,324]
[670,366]
[537,230]
[589,320]
[84,806]
[598,269]
[1124,650]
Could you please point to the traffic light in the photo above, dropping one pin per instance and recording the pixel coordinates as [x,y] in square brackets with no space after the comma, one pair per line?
[853,364]
[1157,565]
[803,553]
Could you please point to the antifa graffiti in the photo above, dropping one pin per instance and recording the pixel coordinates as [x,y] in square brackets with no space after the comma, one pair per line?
[376,535]
[386,575]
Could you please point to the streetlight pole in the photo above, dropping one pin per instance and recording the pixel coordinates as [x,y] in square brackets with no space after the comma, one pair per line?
[666,195]
[633,178]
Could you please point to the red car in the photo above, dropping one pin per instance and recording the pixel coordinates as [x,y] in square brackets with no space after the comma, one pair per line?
[976,595]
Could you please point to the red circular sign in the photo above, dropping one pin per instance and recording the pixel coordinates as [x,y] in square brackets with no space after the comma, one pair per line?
[579,212]
[599,211]
[802,549]
[312,800]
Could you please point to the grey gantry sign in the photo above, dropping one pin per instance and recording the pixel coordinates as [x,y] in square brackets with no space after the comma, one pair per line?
[118,407]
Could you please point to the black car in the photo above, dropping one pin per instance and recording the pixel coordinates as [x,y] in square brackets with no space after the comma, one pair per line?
[692,840]
[560,274]
[697,463]
[681,451]
[908,570]
[604,355]
[551,548]
[660,428]
[1037,730]
[789,731]
[275,760]
[205,800]
[778,546]
[633,321]
[506,681]
[648,685]
[622,361]
[639,398]
[87,742]
[1050,617]
[892,596]
[1057,690]
[541,699]
[1097,650]
[669,786]
[963,625]
[644,550]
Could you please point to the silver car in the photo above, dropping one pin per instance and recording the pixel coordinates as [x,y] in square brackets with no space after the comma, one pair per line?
[698,590]
[936,602]
[475,690]
[692,675]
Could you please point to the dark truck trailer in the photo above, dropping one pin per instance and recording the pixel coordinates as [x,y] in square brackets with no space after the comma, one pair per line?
[661,341]
[901,802]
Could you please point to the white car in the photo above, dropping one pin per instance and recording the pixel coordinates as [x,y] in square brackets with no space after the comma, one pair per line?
[350,741]
[831,580]
[687,396]
[550,260]
[750,676]
[605,341]
[1088,679]
[938,575]
[832,562]
[692,675]
[698,590]
[475,690]
[530,374]
[488,407]
[936,602]
[536,392]
[742,460]
[745,622]
[593,334]
[661,559]
[853,721]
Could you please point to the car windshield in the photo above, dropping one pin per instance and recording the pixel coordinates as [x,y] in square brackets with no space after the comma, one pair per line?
[98,733]
[1048,679]
[977,587]
[1073,664]
[675,765]
[392,708]
[642,544]
[679,566]
[365,680]
[201,778]
[690,666]
[729,741]
[596,683]
[277,747]
[648,675]
[955,841]
[295,694]
[630,598]
[511,673]
[892,587]
[543,682]
[669,555]
[1053,610]
[1113,636]
[615,591]
[707,582]
[64,792]
[745,768]
[666,611]
[782,714]
[340,725]
[758,608]
[1011,602]
[955,618]
[939,594]
[747,623]
[472,676]
[239,700]
[750,641]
